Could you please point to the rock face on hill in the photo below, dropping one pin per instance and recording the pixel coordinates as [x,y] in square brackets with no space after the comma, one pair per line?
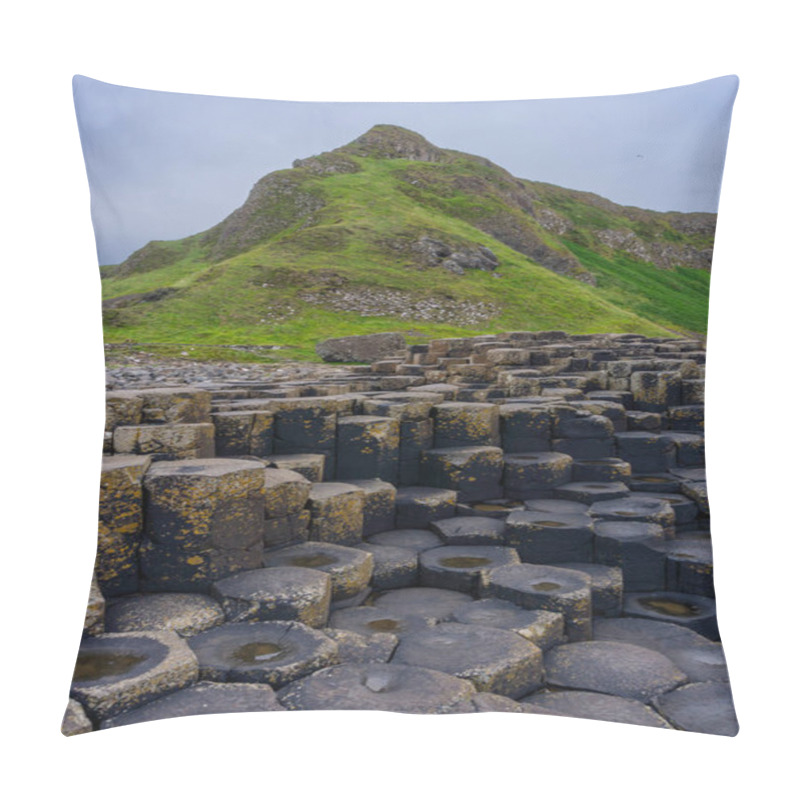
[393,215]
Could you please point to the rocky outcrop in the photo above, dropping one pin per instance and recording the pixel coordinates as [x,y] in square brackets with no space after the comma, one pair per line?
[664,255]
[370,347]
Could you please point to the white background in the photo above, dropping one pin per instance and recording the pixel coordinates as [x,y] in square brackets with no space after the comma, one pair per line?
[53,389]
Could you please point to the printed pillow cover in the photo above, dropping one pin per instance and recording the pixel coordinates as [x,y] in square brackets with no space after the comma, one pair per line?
[418,425]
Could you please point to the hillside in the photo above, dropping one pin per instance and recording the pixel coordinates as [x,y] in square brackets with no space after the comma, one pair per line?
[390,232]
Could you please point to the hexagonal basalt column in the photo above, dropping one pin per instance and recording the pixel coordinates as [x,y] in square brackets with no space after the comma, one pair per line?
[310,465]
[379,500]
[462,569]
[367,447]
[470,531]
[564,591]
[337,513]
[202,698]
[531,475]
[524,428]
[655,391]
[635,509]
[589,492]
[262,652]
[276,593]
[120,523]
[494,660]
[119,671]
[171,406]
[243,433]
[204,520]
[474,473]
[542,538]
[379,687]
[466,425]
[646,452]
[615,668]
[606,587]
[186,614]
[392,567]
[544,628]
[419,506]
[601,470]
[354,648]
[350,569]
[166,442]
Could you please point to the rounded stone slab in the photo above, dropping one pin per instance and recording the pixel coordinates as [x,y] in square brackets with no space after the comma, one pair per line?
[262,652]
[685,509]
[592,705]
[392,567]
[635,509]
[614,668]
[75,720]
[202,698]
[422,601]
[690,610]
[547,588]
[276,593]
[379,687]
[116,672]
[701,708]
[369,620]
[469,530]
[544,628]
[700,658]
[350,568]
[416,539]
[494,660]
[186,614]
[462,569]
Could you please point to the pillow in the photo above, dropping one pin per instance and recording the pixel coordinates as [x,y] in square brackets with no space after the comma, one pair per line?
[414,425]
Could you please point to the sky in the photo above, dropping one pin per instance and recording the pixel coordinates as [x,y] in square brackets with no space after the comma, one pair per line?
[164,165]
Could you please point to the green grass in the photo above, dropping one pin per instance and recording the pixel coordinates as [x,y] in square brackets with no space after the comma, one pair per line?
[360,239]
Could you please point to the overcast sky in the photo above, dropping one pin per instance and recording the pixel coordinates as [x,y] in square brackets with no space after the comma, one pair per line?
[164,165]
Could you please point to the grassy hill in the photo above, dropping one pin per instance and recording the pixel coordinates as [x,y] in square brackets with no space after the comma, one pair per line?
[390,232]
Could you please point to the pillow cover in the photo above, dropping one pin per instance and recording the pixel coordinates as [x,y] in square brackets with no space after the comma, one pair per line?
[419,425]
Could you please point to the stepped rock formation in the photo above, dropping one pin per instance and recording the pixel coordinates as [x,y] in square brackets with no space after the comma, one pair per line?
[513,522]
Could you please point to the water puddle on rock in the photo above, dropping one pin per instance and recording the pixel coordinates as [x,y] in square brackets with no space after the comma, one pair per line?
[383,625]
[464,562]
[312,560]
[258,652]
[94,666]
[545,586]
[672,608]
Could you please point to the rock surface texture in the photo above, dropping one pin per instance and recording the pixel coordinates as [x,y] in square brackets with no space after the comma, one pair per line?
[511,522]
